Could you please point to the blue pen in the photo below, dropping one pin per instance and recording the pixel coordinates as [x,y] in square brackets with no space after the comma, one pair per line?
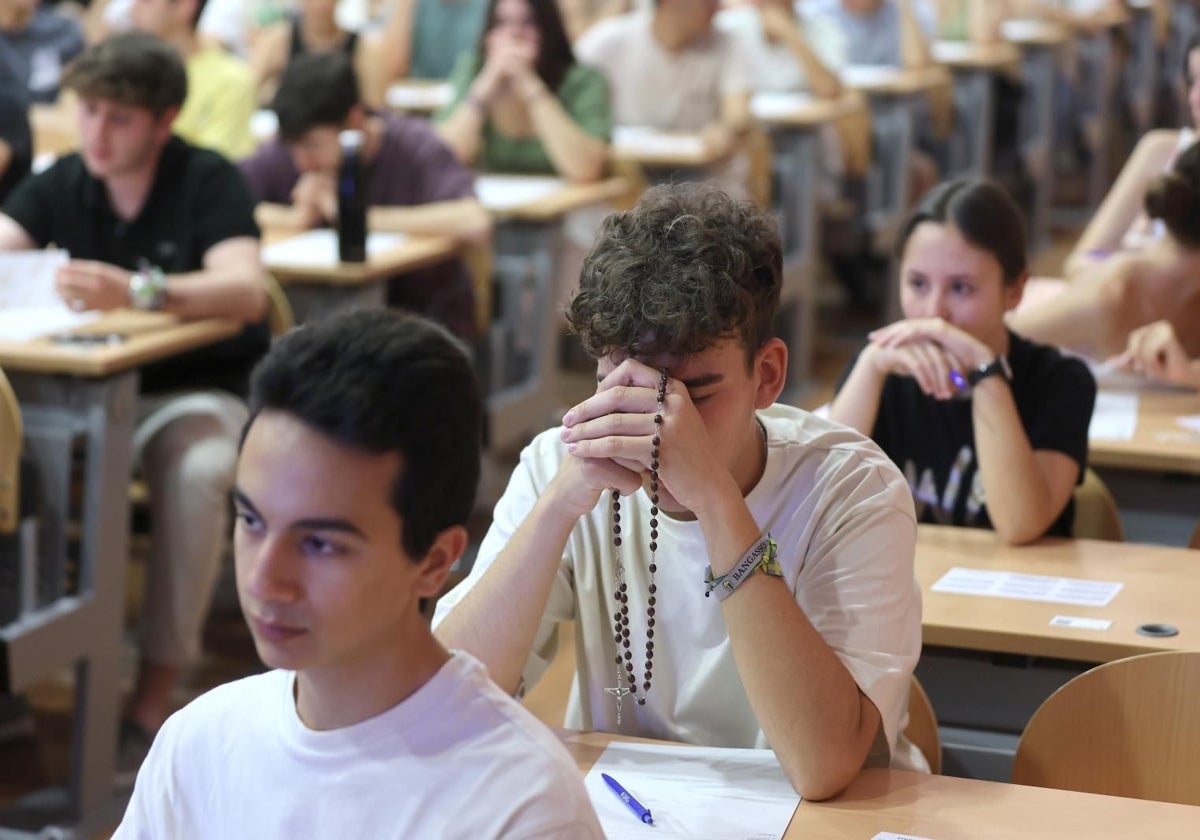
[634,805]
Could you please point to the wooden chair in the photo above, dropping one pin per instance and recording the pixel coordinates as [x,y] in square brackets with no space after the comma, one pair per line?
[922,728]
[11,435]
[1194,542]
[1096,513]
[478,257]
[280,317]
[1126,728]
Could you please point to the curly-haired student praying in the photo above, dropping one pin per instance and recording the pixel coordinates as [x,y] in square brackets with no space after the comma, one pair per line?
[682,478]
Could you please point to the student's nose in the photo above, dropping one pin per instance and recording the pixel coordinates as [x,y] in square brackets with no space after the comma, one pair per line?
[941,307]
[272,572]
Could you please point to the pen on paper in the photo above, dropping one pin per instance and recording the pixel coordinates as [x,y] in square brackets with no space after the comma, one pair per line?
[624,795]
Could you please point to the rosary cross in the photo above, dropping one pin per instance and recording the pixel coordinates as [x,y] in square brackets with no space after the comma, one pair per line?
[618,693]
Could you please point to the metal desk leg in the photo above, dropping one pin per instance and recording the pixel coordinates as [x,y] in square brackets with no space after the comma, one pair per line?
[315,300]
[83,628]
[971,152]
[524,337]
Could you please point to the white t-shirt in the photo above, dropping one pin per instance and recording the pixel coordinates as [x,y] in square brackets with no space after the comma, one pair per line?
[651,86]
[843,518]
[457,759]
[775,67]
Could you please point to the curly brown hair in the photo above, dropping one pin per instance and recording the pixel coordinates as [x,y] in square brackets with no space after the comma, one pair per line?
[685,268]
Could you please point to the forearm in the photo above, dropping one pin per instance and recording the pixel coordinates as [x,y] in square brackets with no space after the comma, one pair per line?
[809,707]
[857,403]
[1018,497]
[821,80]
[1082,319]
[462,132]
[397,35]
[983,21]
[218,293]
[576,155]
[277,217]
[914,49]
[463,218]
[497,621]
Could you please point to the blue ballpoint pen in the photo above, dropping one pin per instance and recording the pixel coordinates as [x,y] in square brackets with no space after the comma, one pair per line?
[634,805]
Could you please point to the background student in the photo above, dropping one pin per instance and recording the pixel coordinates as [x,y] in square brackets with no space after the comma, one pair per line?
[521,101]
[990,429]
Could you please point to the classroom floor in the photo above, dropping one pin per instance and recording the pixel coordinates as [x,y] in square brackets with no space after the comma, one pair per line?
[28,763]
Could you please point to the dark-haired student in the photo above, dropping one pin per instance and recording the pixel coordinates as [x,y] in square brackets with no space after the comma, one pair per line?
[38,42]
[989,428]
[521,101]
[800,529]
[355,478]
[414,183]
[1100,309]
[155,223]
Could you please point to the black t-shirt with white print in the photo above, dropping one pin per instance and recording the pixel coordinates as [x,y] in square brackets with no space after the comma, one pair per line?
[933,441]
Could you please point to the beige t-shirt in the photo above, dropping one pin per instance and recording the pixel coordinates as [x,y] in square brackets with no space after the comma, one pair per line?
[651,86]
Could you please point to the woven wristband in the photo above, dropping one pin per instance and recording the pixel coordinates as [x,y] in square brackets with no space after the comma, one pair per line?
[761,555]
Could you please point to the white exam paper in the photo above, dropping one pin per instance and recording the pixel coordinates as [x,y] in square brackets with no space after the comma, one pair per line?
[634,139]
[1080,622]
[774,104]
[1115,416]
[1190,422]
[319,248]
[1021,587]
[887,835]
[866,75]
[411,97]
[717,794]
[505,192]
[29,305]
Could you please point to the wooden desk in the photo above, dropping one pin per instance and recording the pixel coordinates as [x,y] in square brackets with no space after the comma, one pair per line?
[1161,585]
[1160,444]
[943,807]
[314,290]
[55,129]
[894,81]
[84,399]
[528,212]
[656,149]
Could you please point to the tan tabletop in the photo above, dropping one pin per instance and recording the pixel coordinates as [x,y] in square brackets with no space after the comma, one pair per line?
[970,55]
[55,129]
[150,336]
[943,807]
[800,110]
[1161,585]
[1028,32]
[647,153]
[562,201]
[413,253]
[1159,443]
[895,80]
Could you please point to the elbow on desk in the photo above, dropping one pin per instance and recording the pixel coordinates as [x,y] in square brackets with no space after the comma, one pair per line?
[1018,533]
[824,781]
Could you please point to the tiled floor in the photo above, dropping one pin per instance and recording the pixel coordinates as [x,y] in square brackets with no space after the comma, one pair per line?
[30,763]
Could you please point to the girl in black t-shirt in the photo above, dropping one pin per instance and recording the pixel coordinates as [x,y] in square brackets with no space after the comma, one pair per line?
[989,429]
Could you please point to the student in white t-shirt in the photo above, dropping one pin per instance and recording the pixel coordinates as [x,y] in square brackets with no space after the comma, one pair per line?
[357,470]
[809,648]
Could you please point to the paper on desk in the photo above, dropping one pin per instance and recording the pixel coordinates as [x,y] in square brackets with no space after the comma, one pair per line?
[1115,416]
[945,51]
[319,248]
[717,794]
[864,75]
[1190,422]
[504,192]
[1021,587]
[1021,29]
[639,139]
[29,305]
[774,104]
[419,97]
[263,124]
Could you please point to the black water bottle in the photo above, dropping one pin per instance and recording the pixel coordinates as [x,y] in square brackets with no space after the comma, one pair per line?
[352,200]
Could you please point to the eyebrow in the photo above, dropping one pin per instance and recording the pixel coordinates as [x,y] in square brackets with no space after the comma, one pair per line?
[312,523]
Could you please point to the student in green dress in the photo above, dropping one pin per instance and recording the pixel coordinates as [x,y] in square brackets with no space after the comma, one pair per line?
[522,103]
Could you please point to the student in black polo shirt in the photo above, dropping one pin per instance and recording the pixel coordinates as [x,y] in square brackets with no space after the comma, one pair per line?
[989,428]
[154,223]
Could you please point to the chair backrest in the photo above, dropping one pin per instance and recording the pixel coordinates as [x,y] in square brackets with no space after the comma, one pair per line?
[1194,542]
[1096,513]
[280,317]
[478,258]
[922,728]
[11,433]
[1126,728]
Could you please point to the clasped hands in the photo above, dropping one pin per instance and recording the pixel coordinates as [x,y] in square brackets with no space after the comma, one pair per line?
[609,439]
[92,285]
[509,67]
[934,352]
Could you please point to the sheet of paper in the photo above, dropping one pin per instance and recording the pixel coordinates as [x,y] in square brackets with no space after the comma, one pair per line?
[1080,622]
[632,139]
[1021,29]
[774,104]
[412,97]
[887,835]
[953,50]
[263,125]
[717,794]
[1190,422]
[29,306]
[504,192]
[1115,416]
[30,322]
[319,248]
[865,75]
[1021,587]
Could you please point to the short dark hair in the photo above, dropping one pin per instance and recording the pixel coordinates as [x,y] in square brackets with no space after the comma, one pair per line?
[1174,197]
[200,4]
[132,68]
[685,268]
[383,381]
[316,89]
[983,213]
[555,55]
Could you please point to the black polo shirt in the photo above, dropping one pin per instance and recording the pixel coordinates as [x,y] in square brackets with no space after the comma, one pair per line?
[198,200]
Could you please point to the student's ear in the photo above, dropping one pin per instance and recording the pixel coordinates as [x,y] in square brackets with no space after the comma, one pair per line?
[447,547]
[356,118]
[1014,291]
[770,365]
[165,121]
